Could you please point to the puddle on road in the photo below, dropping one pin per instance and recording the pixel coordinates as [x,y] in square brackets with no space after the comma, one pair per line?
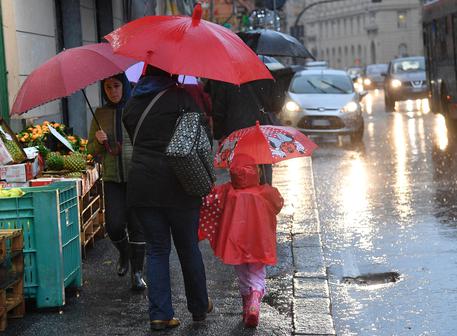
[370,279]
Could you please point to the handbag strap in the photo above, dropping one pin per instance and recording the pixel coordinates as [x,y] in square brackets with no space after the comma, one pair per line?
[145,113]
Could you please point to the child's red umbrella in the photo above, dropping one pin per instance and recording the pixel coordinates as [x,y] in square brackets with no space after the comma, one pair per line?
[266,144]
[189,46]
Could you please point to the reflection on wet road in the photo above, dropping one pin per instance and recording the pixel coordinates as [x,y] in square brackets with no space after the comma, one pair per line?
[390,204]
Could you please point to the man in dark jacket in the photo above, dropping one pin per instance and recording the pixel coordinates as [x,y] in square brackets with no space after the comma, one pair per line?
[159,201]
[236,107]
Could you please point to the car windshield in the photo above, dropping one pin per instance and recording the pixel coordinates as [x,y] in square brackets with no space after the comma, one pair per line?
[322,83]
[409,65]
[376,69]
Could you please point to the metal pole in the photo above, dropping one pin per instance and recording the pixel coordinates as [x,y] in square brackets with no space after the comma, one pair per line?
[274,15]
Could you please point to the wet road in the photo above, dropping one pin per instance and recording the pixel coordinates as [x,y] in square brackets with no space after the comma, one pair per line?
[390,205]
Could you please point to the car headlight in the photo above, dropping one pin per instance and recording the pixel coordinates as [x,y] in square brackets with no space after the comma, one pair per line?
[367,81]
[395,83]
[351,107]
[292,106]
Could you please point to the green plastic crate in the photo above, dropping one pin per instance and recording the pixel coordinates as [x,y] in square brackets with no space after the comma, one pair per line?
[49,218]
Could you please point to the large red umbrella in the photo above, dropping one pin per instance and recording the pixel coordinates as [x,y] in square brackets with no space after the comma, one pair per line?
[67,72]
[189,46]
[266,144]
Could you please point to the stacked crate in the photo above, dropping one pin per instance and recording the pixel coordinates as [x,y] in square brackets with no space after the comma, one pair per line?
[11,276]
[92,215]
[49,219]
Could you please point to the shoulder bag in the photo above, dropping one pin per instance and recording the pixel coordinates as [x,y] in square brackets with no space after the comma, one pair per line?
[189,153]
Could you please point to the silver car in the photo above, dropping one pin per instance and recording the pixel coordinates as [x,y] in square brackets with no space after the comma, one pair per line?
[323,102]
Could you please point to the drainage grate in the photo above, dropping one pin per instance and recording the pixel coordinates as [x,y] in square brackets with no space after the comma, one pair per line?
[372,279]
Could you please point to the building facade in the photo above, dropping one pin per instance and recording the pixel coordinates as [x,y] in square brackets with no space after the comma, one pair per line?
[358,32]
[35,30]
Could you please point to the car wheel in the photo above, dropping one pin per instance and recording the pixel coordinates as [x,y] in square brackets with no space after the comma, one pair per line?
[357,136]
[389,103]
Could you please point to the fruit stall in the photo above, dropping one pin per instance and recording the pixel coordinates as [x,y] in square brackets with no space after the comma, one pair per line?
[51,191]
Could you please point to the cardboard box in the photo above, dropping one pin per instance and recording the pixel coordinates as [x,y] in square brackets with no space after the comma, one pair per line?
[5,184]
[41,181]
[21,172]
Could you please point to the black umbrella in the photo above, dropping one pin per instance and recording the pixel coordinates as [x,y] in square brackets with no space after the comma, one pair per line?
[273,43]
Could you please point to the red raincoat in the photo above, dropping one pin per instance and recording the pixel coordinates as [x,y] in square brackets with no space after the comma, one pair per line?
[239,219]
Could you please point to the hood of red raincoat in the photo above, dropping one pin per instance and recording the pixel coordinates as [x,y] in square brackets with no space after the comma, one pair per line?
[244,176]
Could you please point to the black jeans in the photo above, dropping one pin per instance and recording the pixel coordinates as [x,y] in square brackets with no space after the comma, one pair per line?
[183,224]
[118,217]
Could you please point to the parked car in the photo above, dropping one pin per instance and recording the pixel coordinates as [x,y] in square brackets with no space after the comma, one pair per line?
[323,102]
[405,79]
[372,76]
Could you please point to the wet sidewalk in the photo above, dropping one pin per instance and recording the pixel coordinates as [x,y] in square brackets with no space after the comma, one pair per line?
[297,302]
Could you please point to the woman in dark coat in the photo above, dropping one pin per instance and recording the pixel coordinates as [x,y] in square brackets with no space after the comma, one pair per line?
[116,92]
[160,202]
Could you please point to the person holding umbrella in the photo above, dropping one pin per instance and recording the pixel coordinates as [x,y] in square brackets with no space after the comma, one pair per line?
[159,200]
[109,142]
[173,45]
[239,219]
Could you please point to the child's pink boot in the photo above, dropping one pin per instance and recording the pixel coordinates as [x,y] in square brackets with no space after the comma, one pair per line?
[245,305]
[253,309]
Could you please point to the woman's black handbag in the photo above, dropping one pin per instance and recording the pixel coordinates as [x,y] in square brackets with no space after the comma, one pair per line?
[190,155]
[189,152]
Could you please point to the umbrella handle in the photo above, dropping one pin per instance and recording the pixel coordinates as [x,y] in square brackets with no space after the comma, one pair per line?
[114,152]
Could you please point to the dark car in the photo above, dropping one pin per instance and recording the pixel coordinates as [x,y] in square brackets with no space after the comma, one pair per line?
[373,78]
[405,79]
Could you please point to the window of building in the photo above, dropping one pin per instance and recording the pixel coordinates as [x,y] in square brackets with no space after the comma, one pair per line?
[401,19]
[403,50]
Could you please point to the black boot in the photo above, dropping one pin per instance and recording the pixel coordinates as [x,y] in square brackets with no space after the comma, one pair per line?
[137,261]
[123,262]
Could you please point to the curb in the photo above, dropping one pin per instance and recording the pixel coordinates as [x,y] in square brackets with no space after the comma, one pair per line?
[311,309]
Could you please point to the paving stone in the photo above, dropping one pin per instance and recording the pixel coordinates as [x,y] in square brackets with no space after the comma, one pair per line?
[311,288]
[301,240]
[312,305]
[312,317]
[314,324]
[308,259]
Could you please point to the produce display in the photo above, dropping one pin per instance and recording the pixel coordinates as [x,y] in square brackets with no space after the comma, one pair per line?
[13,192]
[58,158]
[11,144]
[39,135]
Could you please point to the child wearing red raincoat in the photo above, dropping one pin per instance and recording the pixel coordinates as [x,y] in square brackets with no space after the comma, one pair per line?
[239,220]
